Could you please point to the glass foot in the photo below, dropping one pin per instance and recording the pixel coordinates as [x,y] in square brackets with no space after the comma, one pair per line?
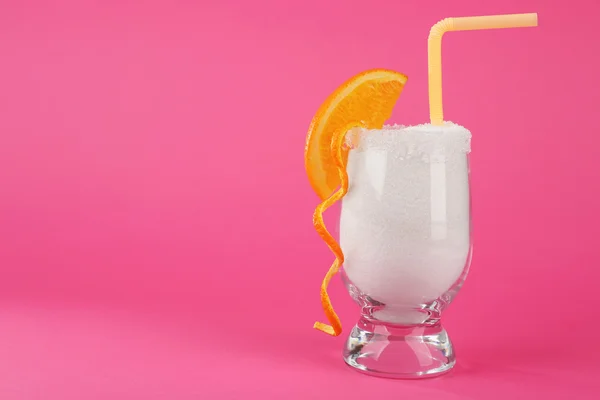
[403,352]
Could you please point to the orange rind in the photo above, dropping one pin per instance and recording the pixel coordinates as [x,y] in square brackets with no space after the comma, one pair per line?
[364,101]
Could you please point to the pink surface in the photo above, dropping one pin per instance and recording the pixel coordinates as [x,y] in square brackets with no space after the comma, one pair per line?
[155,218]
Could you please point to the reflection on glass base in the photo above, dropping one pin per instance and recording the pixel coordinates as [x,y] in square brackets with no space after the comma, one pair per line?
[402,352]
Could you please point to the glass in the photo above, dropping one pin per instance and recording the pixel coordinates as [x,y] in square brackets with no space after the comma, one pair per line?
[405,230]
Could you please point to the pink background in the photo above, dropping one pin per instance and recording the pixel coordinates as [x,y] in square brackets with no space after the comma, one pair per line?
[155,217]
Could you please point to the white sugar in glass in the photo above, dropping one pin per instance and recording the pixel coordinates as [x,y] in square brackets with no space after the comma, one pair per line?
[405,232]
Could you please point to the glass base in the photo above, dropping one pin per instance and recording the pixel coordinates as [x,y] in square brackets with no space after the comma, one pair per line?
[402,352]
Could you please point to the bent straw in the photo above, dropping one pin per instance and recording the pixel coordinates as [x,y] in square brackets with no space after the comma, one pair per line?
[434,49]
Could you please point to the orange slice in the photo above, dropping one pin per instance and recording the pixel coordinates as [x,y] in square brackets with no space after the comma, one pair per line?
[367,98]
[364,101]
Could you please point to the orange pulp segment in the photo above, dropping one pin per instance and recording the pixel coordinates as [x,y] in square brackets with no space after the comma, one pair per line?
[368,98]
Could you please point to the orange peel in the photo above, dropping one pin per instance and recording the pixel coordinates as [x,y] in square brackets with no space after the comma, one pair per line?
[336,150]
[364,101]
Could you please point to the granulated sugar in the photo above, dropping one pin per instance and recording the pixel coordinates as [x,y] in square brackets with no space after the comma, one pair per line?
[405,223]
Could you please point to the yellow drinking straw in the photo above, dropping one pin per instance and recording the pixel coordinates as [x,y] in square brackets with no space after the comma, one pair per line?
[434,49]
